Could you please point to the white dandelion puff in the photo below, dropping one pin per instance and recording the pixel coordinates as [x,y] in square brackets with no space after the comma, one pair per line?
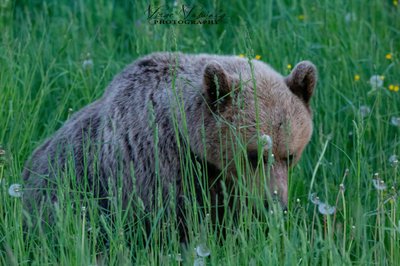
[395,121]
[15,190]
[266,140]
[314,198]
[364,111]
[350,17]
[393,160]
[379,184]
[177,257]
[199,262]
[326,209]
[203,251]
[87,64]
[376,81]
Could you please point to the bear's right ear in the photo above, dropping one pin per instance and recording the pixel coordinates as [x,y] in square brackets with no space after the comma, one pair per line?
[302,80]
[217,85]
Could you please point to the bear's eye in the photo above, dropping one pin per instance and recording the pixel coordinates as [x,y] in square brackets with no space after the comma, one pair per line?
[289,159]
[253,158]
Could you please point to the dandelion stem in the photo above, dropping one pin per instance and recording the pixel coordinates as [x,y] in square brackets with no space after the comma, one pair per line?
[341,192]
[312,227]
[317,166]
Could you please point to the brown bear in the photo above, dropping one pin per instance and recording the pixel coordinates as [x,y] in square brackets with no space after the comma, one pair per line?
[165,107]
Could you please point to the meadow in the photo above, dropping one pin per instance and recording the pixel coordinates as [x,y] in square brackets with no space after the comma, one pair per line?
[58,56]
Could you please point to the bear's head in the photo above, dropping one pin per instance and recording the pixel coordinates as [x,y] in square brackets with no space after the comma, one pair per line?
[249,100]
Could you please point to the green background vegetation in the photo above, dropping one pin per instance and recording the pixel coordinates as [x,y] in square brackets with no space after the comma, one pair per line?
[42,81]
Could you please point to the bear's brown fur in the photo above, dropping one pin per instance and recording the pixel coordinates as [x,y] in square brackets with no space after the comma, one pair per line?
[192,102]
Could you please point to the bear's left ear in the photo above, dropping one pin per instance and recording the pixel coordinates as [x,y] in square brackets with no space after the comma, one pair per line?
[302,80]
[217,85]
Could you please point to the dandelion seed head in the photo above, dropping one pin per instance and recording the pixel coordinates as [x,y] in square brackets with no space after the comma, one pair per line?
[341,187]
[395,121]
[376,81]
[199,262]
[379,184]
[364,111]
[266,140]
[275,192]
[203,251]
[314,198]
[350,17]
[393,160]
[177,257]
[326,209]
[87,64]
[298,200]
[15,190]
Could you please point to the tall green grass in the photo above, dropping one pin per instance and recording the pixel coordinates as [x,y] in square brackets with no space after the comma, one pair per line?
[43,81]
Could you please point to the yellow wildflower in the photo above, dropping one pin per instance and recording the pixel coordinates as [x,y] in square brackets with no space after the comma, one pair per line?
[258,57]
[391,87]
[301,17]
[382,77]
[241,55]
[289,66]
[395,2]
[388,56]
[396,88]
[356,77]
